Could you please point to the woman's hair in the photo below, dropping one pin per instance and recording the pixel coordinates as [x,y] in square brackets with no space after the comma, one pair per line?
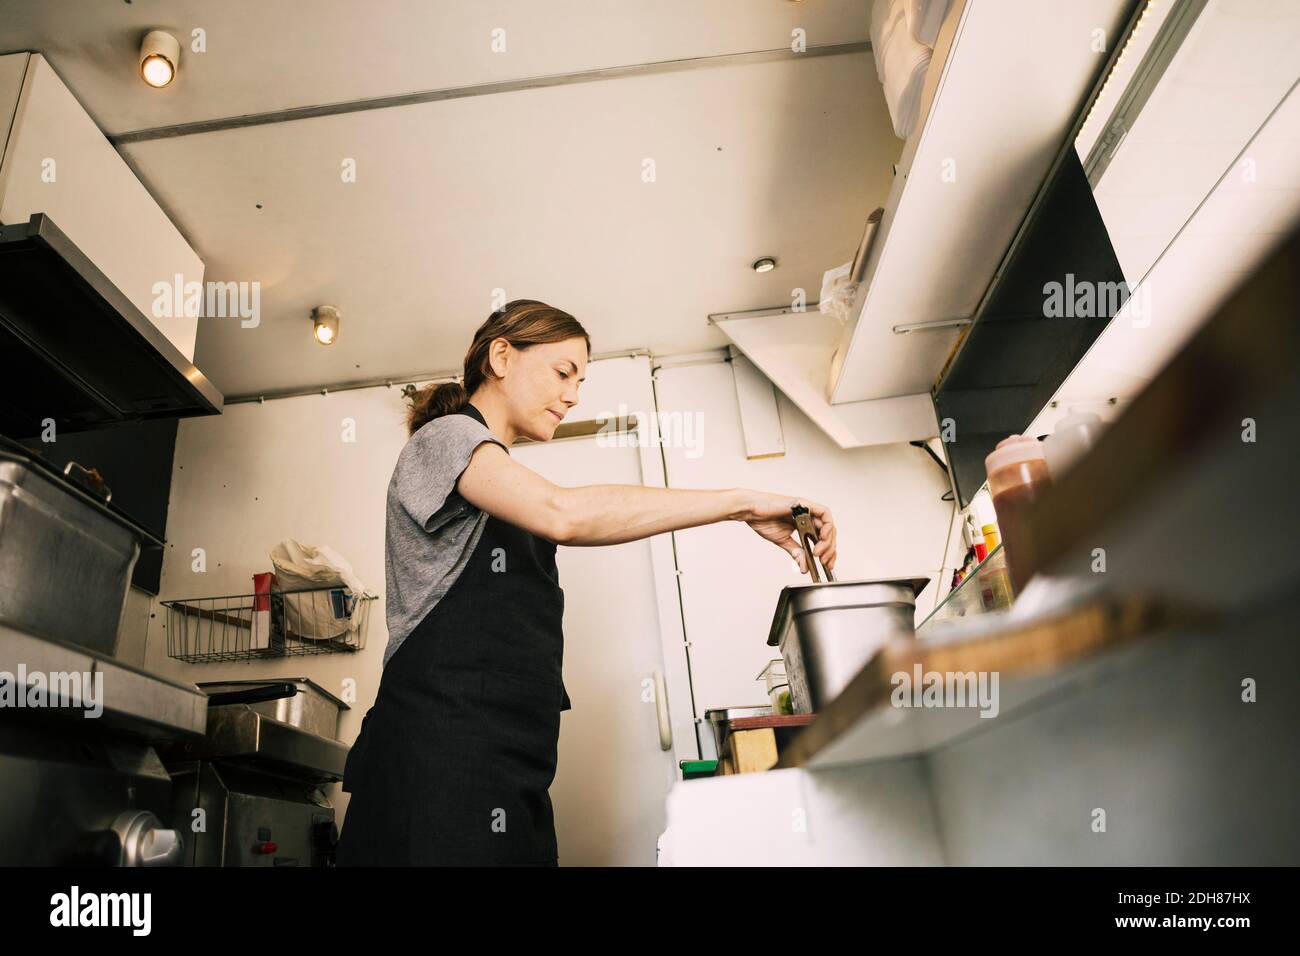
[522,323]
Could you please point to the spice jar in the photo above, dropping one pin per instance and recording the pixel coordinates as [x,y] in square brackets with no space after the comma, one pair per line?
[1017,471]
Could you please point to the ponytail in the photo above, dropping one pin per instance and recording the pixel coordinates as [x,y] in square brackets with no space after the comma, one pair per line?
[434,401]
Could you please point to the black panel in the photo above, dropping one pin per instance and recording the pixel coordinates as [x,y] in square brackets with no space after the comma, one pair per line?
[136,463]
[1016,356]
[74,349]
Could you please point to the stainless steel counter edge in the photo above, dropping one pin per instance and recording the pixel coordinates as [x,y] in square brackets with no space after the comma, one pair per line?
[134,701]
[236,731]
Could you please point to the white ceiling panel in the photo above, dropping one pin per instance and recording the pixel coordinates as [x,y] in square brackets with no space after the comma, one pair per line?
[538,192]
[268,55]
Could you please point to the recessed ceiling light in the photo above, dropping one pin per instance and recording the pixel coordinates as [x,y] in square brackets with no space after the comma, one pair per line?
[325,324]
[160,56]
[766,264]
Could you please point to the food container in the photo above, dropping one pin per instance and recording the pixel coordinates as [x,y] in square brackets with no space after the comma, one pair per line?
[66,555]
[777,686]
[992,538]
[828,632]
[296,701]
[1018,475]
[260,621]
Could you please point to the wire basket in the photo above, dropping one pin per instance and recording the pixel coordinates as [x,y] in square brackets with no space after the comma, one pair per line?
[244,627]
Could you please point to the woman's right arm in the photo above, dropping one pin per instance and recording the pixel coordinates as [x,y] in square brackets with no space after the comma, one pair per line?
[612,514]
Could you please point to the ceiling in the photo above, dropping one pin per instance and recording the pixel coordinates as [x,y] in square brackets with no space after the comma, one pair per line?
[538,192]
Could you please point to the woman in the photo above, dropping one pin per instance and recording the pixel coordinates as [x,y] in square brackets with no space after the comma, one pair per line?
[455,758]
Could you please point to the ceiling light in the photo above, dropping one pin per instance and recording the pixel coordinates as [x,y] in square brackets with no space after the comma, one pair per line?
[325,324]
[1105,84]
[160,55]
[766,264]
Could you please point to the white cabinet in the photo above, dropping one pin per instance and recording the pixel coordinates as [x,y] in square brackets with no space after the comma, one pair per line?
[58,162]
[12,70]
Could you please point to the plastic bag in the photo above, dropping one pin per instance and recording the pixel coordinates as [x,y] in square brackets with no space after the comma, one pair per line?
[320,614]
[837,292]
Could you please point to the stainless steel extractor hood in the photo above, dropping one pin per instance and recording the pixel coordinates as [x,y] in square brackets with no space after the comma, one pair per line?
[75,349]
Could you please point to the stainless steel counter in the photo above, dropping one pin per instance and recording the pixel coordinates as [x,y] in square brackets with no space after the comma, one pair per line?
[135,702]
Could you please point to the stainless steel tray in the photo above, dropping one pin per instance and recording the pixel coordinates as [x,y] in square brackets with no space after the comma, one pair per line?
[312,709]
[238,734]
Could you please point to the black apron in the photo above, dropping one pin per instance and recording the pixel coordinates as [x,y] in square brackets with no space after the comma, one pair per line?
[454,761]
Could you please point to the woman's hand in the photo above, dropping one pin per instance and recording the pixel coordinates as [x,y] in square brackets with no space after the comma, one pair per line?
[769,516]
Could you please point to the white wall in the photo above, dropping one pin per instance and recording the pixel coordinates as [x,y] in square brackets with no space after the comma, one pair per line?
[258,473]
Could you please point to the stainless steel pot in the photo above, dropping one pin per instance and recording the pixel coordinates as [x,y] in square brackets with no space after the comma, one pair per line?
[66,555]
[828,632]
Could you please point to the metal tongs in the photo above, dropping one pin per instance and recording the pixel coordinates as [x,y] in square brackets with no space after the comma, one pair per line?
[803,523]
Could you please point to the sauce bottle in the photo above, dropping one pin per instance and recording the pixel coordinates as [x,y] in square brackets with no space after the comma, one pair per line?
[1017,471]
[1074,435]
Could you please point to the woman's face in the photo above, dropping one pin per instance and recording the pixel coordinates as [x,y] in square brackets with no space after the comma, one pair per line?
[541,385]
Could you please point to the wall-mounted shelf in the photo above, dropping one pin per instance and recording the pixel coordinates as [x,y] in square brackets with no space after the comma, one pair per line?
[794,350]
[985,589]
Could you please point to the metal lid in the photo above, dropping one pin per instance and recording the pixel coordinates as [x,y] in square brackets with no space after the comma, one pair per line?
[11,450]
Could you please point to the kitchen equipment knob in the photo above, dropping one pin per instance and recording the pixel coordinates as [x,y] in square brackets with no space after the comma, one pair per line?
[324,840]
[146,842]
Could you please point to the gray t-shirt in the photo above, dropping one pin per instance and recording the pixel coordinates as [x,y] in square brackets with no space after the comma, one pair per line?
[431,530]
